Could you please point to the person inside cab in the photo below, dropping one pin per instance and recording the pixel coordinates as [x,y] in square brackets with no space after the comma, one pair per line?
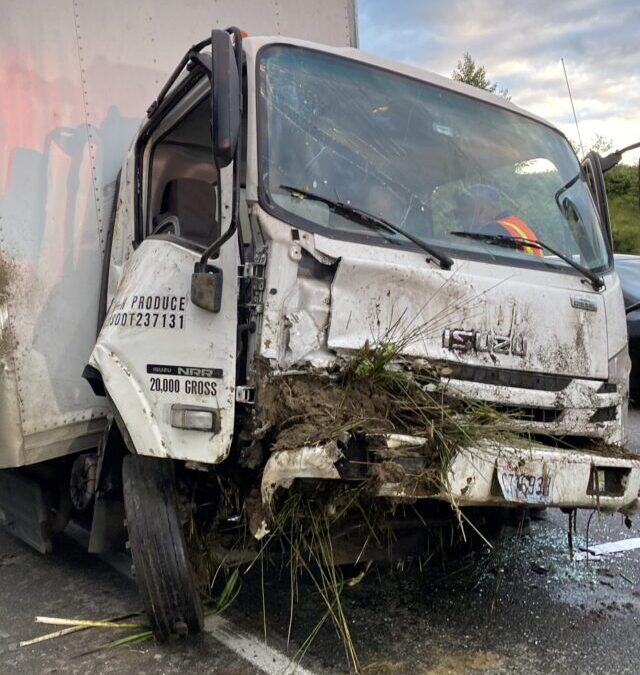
[489,218]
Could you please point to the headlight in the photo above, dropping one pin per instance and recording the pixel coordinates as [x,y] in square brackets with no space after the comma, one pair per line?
[619,369]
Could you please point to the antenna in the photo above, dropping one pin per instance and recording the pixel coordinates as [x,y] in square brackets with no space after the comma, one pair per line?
[566,79]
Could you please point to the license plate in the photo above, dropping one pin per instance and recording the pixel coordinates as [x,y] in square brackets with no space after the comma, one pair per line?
[529,482]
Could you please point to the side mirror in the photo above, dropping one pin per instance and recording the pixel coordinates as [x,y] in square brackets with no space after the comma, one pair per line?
[225,98]
[610,160]
[206,287]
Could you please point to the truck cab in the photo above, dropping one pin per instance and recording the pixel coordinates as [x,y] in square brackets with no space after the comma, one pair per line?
[317,202]
[311,273]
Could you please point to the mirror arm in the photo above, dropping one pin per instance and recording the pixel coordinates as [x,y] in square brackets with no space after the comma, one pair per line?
[174,75]
[213,249]
[235,32]
[614,158]
[203,60]
[632,308]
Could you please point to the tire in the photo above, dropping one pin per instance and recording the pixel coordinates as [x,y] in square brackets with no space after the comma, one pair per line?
[156,539]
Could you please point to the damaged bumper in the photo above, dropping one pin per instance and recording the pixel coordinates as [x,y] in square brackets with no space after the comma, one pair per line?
[485,476]
[542,476]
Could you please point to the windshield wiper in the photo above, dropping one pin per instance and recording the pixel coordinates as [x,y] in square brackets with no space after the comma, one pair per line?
[371,221]
[520,242]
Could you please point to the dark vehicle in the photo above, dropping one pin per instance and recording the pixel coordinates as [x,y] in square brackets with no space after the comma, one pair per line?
[628,269]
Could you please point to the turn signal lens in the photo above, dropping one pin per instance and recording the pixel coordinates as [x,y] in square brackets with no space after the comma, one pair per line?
[194,418]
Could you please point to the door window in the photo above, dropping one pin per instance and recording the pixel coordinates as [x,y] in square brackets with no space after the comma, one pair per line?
[183,180]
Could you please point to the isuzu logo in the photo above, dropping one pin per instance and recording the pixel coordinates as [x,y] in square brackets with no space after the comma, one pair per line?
[459,340]
[579,302]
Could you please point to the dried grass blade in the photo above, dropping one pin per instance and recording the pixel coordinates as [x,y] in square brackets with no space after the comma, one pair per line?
[81,623]
[51,636]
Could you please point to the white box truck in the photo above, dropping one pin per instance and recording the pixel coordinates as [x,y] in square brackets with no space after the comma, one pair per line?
[285,207]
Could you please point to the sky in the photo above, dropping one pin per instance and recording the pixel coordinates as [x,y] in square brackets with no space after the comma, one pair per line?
[520,43]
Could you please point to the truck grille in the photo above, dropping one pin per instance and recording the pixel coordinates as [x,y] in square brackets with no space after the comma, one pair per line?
[607,414]
[507,378]
[519,413]
[524,414]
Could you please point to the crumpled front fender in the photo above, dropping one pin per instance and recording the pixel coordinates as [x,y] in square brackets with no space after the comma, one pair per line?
[130,402]
[149,435]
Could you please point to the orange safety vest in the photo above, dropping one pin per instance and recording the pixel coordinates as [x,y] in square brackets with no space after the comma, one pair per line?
[518,228]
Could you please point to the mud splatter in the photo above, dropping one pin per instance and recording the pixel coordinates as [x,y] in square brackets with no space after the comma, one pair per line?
[606,450]
[389,472]
[7,276]
[306,410]
[7,343]
[377,392]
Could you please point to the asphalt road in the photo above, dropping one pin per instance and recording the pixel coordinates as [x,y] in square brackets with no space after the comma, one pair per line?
[527,607]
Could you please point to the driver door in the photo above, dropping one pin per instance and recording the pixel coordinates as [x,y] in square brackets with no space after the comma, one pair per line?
[167,365]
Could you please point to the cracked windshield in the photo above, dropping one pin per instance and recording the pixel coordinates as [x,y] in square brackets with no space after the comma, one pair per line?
[341,141]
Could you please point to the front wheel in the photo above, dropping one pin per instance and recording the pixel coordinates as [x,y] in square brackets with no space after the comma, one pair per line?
[156,538]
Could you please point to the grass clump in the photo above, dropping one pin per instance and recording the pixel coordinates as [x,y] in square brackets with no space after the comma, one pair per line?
[376,393]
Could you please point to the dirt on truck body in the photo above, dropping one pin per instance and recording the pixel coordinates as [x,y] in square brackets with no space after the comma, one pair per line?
[378,412]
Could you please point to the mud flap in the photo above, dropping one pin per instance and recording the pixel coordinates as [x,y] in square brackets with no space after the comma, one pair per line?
[23,510]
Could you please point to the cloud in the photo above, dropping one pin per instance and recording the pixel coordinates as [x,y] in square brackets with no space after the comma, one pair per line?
[521,45]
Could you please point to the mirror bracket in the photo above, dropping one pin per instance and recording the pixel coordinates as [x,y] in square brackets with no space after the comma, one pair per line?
[204,60]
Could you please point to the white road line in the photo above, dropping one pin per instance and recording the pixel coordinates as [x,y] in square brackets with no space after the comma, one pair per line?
[249,647]
[252,649]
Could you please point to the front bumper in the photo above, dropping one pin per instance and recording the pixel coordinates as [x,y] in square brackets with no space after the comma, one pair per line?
[563,478]
[534,475]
